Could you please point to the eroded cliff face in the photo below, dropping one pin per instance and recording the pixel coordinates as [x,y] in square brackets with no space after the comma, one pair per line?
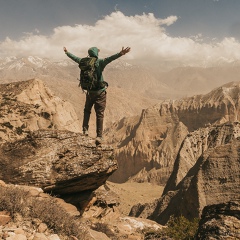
[213,178]
[29,106]
[219,106]
[197,143]
[150,143]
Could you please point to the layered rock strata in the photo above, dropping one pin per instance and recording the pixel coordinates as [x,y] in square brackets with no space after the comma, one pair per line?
[60,162]
[220,221]
[196,144]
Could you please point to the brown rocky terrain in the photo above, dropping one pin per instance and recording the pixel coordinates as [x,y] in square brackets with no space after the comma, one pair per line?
[220,221]
[131,193]
[212,179]
[51,155]
[29,213]
[33,214]
[147,149]
[39,136]
[151,141]
[197,143]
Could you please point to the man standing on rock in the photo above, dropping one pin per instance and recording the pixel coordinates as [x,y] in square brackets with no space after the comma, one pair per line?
[96,97]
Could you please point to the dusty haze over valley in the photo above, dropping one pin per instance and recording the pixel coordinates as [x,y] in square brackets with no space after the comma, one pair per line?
[148,110]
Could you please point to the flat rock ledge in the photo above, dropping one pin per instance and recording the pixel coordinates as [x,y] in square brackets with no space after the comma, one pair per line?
[59,162]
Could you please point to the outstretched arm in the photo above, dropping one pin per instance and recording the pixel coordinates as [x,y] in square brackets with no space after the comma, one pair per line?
[70,55]
[116,56]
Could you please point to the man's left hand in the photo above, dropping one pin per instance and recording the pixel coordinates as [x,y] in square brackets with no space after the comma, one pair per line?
[125,50]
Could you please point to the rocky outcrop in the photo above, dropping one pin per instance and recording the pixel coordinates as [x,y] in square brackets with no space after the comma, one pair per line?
[195,144]
[104,206]
[57,161]
[40,144]
[220,221]
[60,162]
[30,106]
[213,179]
[154,139]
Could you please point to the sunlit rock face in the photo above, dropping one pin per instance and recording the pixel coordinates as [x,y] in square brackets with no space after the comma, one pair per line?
[60,162]
[198,143]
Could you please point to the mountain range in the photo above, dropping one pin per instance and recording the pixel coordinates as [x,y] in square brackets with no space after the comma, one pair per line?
[131,87]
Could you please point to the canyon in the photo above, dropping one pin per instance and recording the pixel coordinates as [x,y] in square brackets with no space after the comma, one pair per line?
[147,145]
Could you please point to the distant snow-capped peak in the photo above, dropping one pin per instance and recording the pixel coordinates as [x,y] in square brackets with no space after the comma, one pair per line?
[119,64]
[9,59]
[34,63]
[17,63]
[38,62]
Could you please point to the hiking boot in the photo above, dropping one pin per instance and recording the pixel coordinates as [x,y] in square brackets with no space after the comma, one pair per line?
[85,132]
[99,141]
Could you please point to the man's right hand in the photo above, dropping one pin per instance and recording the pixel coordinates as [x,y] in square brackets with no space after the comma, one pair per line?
[64,49]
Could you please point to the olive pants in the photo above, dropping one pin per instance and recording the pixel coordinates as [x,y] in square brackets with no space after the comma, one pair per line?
[97,99]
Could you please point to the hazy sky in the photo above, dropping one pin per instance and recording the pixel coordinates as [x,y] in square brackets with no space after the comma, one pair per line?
[189,31]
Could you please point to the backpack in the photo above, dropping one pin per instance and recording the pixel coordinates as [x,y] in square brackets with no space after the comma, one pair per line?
[88,75]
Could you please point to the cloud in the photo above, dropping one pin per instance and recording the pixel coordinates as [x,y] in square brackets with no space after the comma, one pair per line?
[169,20]
[145,34]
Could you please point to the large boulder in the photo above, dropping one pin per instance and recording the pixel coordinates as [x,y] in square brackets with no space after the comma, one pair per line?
[60,162]
[220,221]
